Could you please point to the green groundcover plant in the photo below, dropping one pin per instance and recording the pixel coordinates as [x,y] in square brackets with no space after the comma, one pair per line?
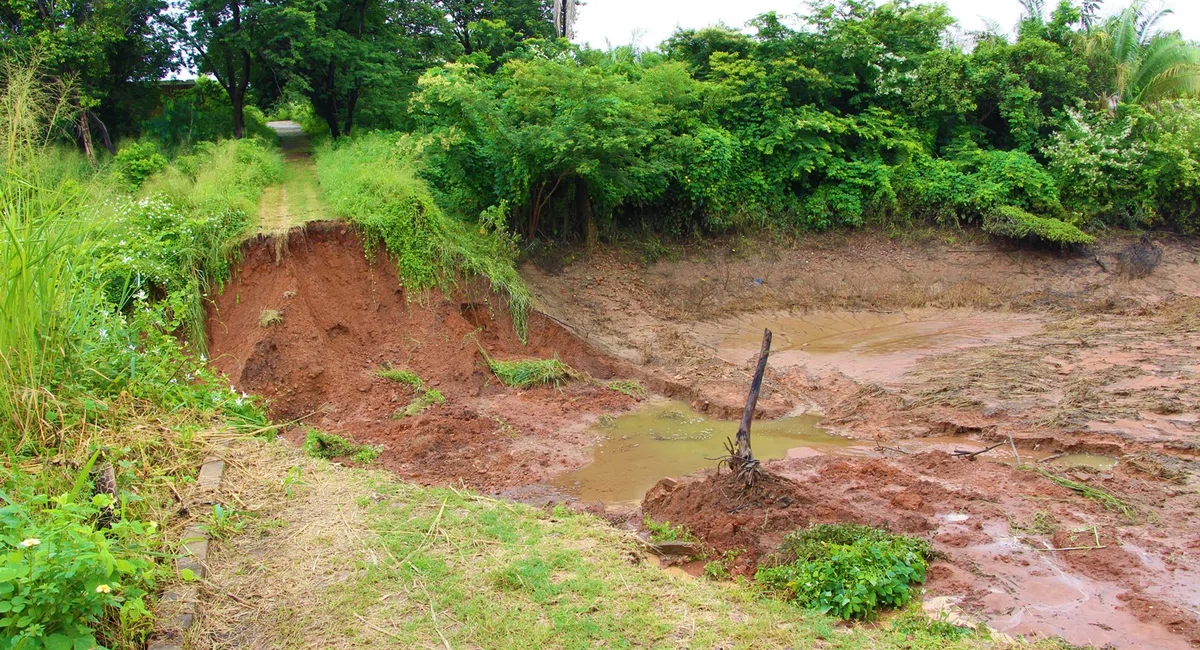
[847,570]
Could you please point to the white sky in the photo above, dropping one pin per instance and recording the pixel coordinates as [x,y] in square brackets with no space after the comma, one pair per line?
[616,22]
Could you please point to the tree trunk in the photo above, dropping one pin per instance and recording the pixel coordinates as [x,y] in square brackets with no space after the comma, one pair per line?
[743,451]
[85,135]
[238,100]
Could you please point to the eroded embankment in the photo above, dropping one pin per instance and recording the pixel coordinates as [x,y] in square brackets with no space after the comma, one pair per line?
[310,330]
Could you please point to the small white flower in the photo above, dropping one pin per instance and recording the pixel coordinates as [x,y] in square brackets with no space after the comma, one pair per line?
[103,589]
[32,541]
[140,295]
[103,333]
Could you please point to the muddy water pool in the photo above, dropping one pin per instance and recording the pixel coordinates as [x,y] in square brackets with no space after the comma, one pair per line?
[669,438]
[871,346]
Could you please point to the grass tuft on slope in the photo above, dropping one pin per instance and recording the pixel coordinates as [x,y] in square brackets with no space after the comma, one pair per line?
[372,182]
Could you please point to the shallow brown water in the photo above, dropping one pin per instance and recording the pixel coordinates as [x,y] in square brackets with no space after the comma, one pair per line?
[671,439]
[873,346]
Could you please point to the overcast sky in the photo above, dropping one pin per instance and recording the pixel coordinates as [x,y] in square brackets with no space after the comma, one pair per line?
[618,22]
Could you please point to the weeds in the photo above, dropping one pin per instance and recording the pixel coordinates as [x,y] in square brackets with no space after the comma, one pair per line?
[665,532]
[320,444]
[1104,498]
[270,318]
[400,376]
[528,373]
[224,522]
[372,181]
[420,403]
[630,387]
[848,570]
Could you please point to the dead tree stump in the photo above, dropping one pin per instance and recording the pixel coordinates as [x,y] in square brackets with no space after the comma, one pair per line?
[740,457]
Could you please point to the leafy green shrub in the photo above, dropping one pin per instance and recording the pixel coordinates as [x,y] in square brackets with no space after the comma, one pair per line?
[320,444]
[61,575]
[1014,222]
[138,161]
[847,570]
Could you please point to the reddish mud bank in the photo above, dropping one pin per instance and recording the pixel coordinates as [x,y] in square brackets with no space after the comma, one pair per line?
[992,526]
[342,318]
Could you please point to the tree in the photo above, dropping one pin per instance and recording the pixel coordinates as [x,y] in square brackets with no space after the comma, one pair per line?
[107,50]
[527,18]
[351,51]
[224,37]
[1146,66]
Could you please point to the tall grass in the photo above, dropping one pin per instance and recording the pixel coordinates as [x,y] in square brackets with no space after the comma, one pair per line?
[372,181]
[43,251]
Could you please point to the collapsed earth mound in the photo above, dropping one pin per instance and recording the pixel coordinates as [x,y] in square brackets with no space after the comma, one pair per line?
[1028,554]
[309,323]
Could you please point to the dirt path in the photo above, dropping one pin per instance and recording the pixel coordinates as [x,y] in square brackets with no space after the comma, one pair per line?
[297,200]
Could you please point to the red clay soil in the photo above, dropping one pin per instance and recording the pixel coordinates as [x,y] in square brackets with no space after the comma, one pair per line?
[343,318]
[1140,591]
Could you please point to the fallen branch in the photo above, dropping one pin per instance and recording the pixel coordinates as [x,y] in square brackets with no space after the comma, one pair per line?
[970,455]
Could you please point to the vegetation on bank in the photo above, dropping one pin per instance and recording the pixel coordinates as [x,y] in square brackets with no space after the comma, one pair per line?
[372,182]
[104,411]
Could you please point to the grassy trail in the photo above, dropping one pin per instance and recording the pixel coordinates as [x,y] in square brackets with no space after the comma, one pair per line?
[297,200]
[324,556]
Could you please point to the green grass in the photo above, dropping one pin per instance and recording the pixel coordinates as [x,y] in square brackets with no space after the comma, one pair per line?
[401,376]
[529,373]
[404,566]
[1106,499]
[665,532]
[372,181]
[320,444]
[420,403]
[1009,221]
[630,387]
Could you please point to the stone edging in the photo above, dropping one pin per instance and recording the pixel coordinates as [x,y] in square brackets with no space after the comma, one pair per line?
[176,612]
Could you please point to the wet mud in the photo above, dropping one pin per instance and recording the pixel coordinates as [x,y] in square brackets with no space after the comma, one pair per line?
[866,402]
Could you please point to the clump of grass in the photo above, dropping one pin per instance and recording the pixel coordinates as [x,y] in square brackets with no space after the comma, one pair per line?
[269,318]
[1106,499]
[630,387]
[420,403]
[320,444]
[528,373]
[401,376]
[666,532]
[847,570]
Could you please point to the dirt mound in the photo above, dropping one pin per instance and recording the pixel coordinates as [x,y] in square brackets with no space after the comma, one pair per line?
[309,330]
[999,534]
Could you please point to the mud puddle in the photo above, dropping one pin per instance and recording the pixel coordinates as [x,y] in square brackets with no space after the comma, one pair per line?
[669,438]
[868,346]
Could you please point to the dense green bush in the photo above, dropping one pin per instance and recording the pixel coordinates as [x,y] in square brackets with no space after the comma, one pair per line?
[60,574]
[1011,221]
[138,161]
[847,570]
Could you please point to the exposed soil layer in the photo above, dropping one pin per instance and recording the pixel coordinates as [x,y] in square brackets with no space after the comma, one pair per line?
[1053,350]
[992,526]
[1078,360]
[341,319]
